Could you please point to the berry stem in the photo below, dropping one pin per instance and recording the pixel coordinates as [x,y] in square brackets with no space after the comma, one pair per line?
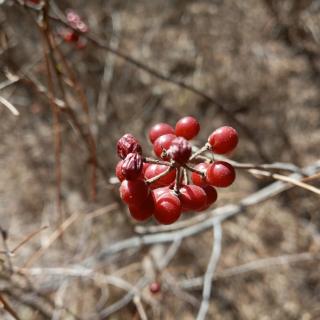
[185,176]
[151,180]
[155,161]
[206,147]
[176,187]
[193,170]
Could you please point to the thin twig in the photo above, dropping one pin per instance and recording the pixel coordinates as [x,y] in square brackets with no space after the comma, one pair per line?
[215,255]
[10,106]
[280,177]
[8,308]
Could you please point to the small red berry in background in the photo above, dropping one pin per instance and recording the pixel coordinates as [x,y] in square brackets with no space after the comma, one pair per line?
[220,174]
[223,140]
[159,130]
[187,127]
[77,28]
[161,188]
[154,287]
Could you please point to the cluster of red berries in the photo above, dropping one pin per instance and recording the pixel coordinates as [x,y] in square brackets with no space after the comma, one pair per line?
[77,26]
[161,187]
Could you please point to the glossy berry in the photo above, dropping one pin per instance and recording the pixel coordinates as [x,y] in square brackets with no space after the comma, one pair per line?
[159,130]
[132,166]
[144,211]
[134,192]
[119,171]
[163,142]
[223,140]
[187,127]
[220,174]
[154,287]
[159,191]
[180,150]
[198,179]
[154,170]
[167,207]
[192,197]
[128,144]
[212,196]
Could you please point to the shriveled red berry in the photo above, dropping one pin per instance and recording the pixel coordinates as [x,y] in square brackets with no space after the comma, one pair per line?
[159,130]
[220,174]
[128,144]
[187,127]
[163,143]
[134,192]
[192,197]
[144,211]
[154,287]
[212,196]
[223,140]
[198,179]
[132,166]
[119,171]
[154,170]
[167,207]
[180,150]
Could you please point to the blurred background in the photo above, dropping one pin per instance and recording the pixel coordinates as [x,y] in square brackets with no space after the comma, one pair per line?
[252,64]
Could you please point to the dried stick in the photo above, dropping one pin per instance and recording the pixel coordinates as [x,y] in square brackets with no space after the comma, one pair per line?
[253,266]
[280,177]
[215,255]
[8,308]
[9,106]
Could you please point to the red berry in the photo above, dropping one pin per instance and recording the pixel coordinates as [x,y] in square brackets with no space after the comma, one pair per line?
[145,166]
[132,166]
[220,174]
[180,150]
[70,36]
[159,191]
[159,130]
[154,287]
[223,140]
[134,192]
[163,142]
[142,211]
[192,197]
[197,179]
[211,196]
[156,169]
[119,171]
[128,144]
[187,127]
[167,207]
